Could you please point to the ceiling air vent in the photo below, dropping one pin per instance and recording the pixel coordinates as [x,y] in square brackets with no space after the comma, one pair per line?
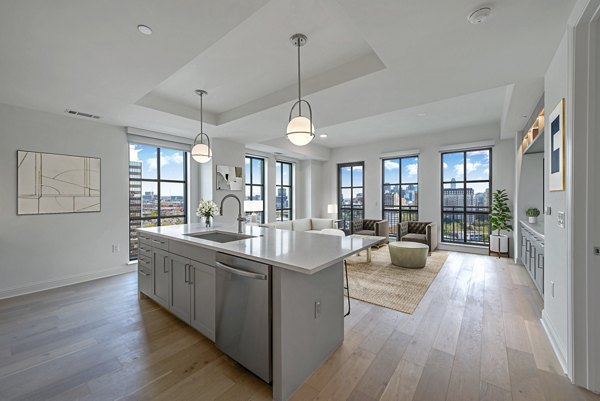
[81,114]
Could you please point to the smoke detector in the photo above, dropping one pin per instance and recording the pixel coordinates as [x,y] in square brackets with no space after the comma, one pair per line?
[479,16]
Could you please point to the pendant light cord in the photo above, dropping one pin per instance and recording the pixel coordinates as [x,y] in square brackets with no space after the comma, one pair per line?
[201,115]
[299,93]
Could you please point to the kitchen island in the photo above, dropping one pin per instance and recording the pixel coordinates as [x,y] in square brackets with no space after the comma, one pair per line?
[180,268]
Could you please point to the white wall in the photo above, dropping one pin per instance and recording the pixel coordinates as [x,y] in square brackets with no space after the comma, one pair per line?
[44,251]
[556,261]
[531,185]
[225,153]
[503,156]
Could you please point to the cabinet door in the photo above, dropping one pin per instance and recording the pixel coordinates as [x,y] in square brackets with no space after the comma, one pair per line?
[161,277]
[539,273]
[203,299]
[180,302]
[145,275]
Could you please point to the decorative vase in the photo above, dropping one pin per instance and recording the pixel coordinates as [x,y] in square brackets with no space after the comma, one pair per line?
[207,221]
[532,219]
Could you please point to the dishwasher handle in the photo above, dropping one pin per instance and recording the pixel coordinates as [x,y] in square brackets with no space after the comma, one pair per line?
[239,272]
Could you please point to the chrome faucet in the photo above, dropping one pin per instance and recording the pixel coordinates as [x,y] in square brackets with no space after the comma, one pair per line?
[240,219]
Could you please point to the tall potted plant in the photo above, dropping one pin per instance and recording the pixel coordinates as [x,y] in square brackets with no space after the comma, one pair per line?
[500,218]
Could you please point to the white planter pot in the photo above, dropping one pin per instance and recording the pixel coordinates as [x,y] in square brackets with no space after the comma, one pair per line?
[499,243]
[532,220]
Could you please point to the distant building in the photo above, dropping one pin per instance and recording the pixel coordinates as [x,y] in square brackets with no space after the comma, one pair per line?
[135,205]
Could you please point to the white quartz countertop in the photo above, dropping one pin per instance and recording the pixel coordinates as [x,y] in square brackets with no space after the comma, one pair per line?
[293,250]
[537,228]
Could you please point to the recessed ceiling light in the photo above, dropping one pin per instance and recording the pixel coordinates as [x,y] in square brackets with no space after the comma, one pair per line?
[479,16]
[146,30]
[421,114]
[323,135]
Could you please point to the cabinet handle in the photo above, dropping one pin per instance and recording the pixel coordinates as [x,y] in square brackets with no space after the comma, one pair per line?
[540,265]
[157,241]
[192,278]
[185,273]
[165,264]
[143,273]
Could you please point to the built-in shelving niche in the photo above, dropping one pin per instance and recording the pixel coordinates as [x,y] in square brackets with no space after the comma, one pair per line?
[533,140]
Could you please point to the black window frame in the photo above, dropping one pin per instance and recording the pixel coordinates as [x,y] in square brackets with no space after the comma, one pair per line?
[411,211]
[249,182]
[133,243]
[346,225]
[279,210]
[465,211]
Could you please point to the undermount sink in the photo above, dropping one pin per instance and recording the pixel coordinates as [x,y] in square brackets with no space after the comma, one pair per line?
[219,236]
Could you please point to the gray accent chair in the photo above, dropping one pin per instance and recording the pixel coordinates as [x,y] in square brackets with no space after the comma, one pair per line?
[424,232]
[378,228]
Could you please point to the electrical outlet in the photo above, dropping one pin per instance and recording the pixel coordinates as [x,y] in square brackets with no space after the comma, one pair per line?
[552,288]
[116,248]
[317,309]
[597,250]
[548,210]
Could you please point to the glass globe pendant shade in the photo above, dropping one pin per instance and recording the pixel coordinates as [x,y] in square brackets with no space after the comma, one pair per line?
[201,153]
[300,131]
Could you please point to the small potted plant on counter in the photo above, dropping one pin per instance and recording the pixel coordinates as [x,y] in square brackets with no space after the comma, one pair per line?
[500,218]
[532,214]
[207,209]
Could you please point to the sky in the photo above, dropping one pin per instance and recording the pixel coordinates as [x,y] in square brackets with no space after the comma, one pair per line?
[171,168]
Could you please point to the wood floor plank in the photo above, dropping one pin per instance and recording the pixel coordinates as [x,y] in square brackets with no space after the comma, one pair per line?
[494,359]
[489,392]
[524,379]
[377,376]
[544,356]
[334,363]
[515,332]
[97,341]
[433,383]
[403,383]
[344,381]
[447,336]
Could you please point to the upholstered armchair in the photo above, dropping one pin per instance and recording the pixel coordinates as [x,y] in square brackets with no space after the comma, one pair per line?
[378,228]
[424,232]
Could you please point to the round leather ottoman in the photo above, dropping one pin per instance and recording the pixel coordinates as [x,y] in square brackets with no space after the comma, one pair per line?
[412,255]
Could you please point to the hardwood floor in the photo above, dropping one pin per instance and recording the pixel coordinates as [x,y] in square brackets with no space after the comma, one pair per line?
[475,336]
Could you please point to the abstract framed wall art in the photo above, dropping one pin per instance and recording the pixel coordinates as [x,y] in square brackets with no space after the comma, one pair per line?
[229,178]
[50,183]
[556,181]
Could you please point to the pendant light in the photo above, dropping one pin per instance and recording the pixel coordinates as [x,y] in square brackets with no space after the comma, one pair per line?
[201,150]
[300,129]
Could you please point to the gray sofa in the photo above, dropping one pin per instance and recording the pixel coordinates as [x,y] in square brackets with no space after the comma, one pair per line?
[424,232]
[379,228]
[307,225]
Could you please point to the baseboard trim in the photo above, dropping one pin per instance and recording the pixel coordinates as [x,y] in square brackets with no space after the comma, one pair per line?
[64,281]
[551,333]
[476,249]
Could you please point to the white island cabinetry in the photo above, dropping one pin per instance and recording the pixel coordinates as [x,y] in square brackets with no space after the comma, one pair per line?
[305,291]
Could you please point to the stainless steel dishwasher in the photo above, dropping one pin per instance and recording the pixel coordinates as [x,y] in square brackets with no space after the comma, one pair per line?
[243,313]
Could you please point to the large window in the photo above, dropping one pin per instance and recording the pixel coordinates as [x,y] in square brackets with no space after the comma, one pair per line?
[466,198]
[255,188]
[157,189]
[284,191]
[400,190]
[350,193]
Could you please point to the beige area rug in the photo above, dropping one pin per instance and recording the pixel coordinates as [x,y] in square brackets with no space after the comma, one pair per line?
[384,284]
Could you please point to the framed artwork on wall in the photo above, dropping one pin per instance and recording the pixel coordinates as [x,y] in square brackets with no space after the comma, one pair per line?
[556,180]
[229,178]
[49,183]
